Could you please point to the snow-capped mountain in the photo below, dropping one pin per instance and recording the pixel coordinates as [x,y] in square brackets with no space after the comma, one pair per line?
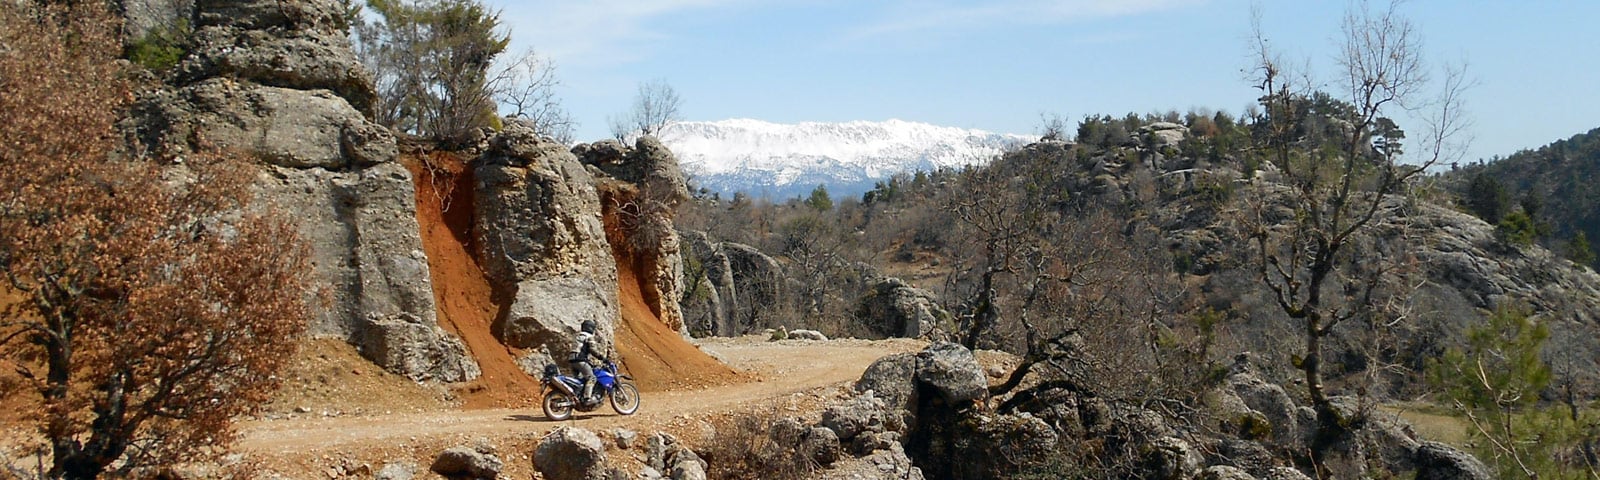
[781,161]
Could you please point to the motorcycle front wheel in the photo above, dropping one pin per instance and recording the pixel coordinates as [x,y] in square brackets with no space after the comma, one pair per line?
[558,405]
[625,398]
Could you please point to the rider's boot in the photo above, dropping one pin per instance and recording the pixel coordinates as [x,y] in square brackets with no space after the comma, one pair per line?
[588,391]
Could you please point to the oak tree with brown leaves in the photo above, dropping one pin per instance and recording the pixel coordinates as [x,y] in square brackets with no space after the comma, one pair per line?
[144,307]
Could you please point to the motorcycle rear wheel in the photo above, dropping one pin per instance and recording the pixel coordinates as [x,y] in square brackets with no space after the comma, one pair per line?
[625,398]
[558,405]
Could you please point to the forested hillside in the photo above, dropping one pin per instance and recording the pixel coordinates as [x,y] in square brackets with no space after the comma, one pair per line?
[1556,186]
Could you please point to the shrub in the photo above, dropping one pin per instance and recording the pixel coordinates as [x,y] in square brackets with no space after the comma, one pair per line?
[148,312]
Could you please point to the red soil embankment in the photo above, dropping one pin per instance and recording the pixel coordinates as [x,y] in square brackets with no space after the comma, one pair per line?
[467,302]
[657,357]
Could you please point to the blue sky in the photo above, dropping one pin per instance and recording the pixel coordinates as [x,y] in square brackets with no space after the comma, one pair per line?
[998,65]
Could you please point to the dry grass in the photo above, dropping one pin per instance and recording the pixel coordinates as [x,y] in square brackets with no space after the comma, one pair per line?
[1432,422]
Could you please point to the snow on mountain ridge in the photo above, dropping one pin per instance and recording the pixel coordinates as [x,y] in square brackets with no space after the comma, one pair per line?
[758,156]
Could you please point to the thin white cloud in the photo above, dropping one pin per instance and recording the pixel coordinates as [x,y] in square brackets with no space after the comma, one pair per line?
[594,32]
[927,16]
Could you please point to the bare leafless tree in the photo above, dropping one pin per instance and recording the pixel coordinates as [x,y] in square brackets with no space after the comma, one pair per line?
[526,85]
[1342,168]
[654,108]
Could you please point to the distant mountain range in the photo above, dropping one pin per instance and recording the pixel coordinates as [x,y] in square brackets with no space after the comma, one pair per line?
[780,161]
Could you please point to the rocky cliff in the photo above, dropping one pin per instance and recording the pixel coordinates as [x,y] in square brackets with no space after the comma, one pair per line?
[437,265]
[276,81]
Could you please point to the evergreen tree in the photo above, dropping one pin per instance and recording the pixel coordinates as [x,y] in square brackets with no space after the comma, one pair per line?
[1579,250]
[431,62]
[819,199]
[1487,199]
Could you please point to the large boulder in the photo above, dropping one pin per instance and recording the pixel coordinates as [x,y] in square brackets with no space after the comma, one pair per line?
[298,44]
[1437,461]
[981,445]
[654,187]
[290,15]
[569,453]
[664,453]
[1165,134]
[863,413]
[732,287]
[296,60]
[952,372]
[279,126]
[893,308]
[409,346]
[467,463]
[1266,399]
[1170,458]
[893,379]
[539,230]
[367,250]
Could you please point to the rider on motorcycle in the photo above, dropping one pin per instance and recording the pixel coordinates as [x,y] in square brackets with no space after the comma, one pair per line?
[582,351]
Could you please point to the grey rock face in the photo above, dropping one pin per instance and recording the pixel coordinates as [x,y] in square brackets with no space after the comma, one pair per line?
[1437,461]
[280,126]
[952,371]
[299,44]
[571,453]
[467,463]
[1272,403]
[314,15]
[538,228]
[1165,134]
[820,445]
[1171,458]
[365,245]
[1225,472]
[295,60]
[732,287]
[862,414]
[892,378]
[665,453]
[423,351]
[893,308]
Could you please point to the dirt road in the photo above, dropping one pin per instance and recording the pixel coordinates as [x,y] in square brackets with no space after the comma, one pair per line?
[792,376]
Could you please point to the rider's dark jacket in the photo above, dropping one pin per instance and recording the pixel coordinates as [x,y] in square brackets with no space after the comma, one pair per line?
[584,349]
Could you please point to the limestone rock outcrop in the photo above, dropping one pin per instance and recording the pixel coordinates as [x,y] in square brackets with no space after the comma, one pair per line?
[468,463]
[270,78]
[643,186]
[539,230]
[276,80]
[894,308]
[367,252]
[571,453]
[731,287]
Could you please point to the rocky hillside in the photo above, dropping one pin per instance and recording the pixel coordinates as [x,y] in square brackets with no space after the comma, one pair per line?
[1560,177]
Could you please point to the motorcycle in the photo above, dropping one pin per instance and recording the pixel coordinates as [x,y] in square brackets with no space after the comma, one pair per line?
[561,392]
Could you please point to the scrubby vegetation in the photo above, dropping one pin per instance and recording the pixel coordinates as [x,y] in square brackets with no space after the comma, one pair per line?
[1159,244]
[145,307]
[1555,188]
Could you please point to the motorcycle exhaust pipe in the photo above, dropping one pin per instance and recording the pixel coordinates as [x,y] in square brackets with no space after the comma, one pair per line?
[567,389]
